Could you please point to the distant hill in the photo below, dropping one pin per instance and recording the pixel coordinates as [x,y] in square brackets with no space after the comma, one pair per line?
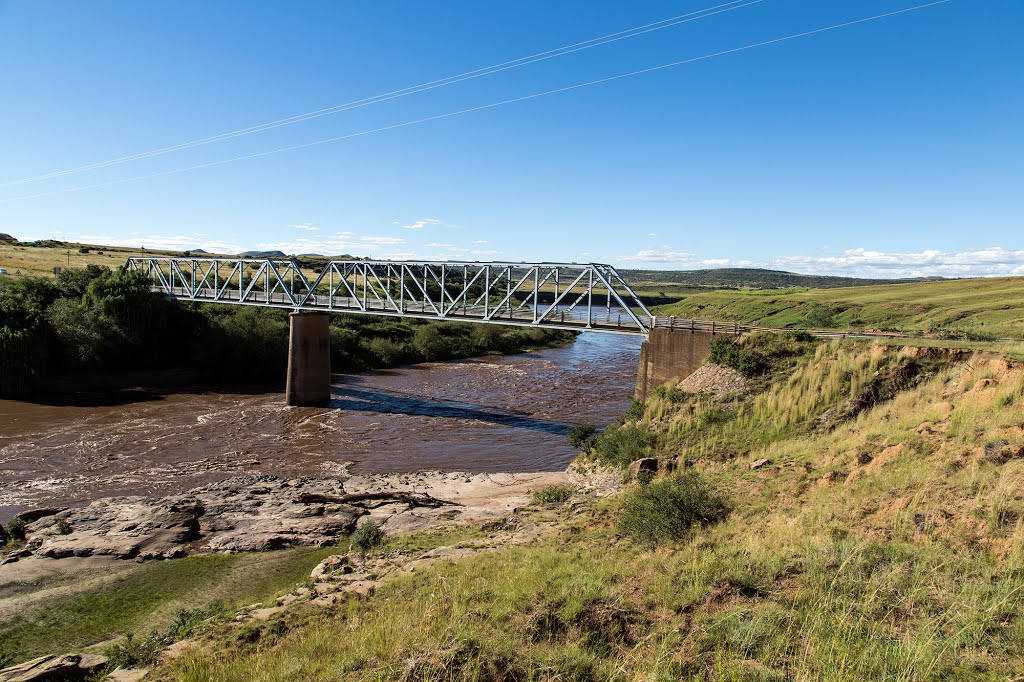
[751,278]
[262,254]
[956,308]
[4,237]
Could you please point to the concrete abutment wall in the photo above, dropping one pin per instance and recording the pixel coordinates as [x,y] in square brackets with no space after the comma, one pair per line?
[670,355]
[309,359]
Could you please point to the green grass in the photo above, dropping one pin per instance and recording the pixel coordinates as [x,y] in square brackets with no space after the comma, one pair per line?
[148,596]
[552,494]
[991,306]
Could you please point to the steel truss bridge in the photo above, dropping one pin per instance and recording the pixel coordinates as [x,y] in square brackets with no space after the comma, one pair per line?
[586,296]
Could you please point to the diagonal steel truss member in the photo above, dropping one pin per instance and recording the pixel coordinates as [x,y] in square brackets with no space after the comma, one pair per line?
[551,295]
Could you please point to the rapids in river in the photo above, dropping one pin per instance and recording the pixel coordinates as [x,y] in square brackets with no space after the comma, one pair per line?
[508,413]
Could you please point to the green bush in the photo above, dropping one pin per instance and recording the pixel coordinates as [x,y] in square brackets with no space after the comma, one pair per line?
[367,536]
[387,352]
[820,316]
[667,510]
[729,352]
[670,393]
[760,353]
[580,435]
[552,494]
[132,652]
[635,411]
[16,529]
[620,445]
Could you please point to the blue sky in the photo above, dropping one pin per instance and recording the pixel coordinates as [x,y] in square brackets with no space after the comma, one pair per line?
[888,148]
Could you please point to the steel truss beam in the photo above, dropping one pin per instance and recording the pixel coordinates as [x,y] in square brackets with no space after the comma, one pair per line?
[520,294]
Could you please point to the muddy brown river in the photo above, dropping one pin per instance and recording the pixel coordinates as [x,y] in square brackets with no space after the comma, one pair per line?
[490,414]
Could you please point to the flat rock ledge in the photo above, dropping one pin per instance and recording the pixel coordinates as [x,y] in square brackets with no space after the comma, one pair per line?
[261,512]
[66,668]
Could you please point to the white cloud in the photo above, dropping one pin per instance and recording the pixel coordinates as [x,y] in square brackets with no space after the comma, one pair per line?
[160,242]
[343,242]
[652,234]
[307,228]
[991,261]
[662,255]
[481,241]
[859,262]
[421,223]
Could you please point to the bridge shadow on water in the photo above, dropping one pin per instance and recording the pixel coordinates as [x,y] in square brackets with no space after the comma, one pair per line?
[392,402]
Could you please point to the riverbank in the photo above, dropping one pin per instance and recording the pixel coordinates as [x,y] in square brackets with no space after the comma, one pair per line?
[80,575]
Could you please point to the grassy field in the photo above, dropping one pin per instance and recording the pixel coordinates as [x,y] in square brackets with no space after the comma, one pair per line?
[882,540]
[991,306]
[137,598]
[39,261]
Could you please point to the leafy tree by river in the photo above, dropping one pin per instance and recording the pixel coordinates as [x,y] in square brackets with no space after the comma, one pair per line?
[97,320]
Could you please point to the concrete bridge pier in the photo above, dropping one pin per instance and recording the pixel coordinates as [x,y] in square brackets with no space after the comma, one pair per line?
[309,359]
[670,355]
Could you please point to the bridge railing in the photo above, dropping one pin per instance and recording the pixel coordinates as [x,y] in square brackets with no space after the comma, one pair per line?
[557,295]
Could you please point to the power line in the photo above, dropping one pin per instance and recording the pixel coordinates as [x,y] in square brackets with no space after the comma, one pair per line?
[411,90]
[493,105]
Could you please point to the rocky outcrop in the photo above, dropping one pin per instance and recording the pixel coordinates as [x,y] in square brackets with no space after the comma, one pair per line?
[258,513]
[241,514]
[64,668]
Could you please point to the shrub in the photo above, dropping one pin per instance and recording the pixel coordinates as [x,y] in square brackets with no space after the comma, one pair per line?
[635,411]
[620,445]
[728,352]
[387,352]
[666,510]
[430,343]
[673,394]
[367,536]
[131,652]
[16,529]
[62,527]
[552,494]
[820,316]
[760,353]
[580,435]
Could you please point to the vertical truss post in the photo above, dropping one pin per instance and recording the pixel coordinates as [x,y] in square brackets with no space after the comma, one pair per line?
[536,289]
[487,288]
[590,298]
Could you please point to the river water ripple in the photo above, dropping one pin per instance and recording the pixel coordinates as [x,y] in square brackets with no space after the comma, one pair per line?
[489,414]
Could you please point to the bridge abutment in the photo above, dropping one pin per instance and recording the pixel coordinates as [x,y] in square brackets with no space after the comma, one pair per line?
[309,359]
[670,355]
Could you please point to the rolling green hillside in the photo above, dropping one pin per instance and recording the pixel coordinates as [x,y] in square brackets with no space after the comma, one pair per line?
[971,307]
[747,278]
